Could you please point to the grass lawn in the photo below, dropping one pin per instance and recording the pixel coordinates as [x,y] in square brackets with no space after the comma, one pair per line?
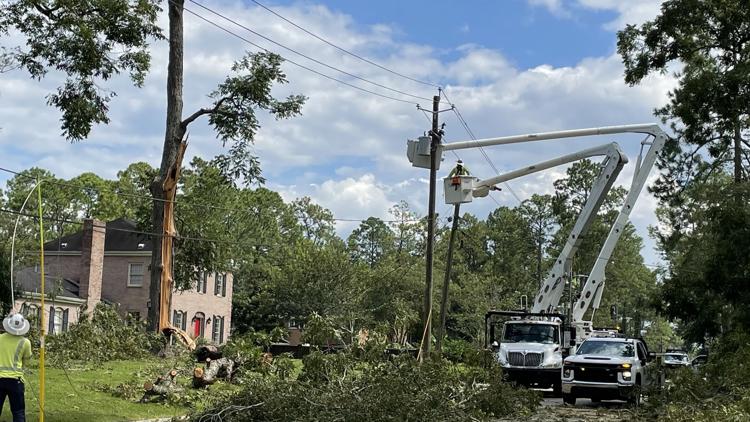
[74,400]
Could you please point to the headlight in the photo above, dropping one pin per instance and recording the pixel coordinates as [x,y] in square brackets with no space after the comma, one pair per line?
[501,357]
[553,360]
[567,373]
[626,375]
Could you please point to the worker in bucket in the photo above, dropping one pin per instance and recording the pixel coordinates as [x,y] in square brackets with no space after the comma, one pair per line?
[459,170]
[15,352]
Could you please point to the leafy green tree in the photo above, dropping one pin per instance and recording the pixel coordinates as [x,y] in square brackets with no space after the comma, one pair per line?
[316,222]
[89,42]
[371,242]
[407,230]
[538,211]
[512,255]
[710,107]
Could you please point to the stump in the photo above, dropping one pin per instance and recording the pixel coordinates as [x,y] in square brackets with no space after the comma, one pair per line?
[215,369]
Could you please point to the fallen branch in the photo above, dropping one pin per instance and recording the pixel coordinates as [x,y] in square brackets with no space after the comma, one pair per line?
[215,369]
[163,386]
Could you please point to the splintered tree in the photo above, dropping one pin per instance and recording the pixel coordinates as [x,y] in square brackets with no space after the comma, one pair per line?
[91,41]
[232,116]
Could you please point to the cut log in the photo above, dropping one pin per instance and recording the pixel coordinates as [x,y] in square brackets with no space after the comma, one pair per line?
[165,384]
[207,351]
[215,369]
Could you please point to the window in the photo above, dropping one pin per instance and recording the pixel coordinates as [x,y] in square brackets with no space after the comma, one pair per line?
[135,274]
[217,330]
[58,320]
[606,348]
[202,282]
[179,320]
[220,284]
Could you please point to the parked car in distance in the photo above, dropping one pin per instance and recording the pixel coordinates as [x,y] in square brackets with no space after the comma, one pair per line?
[606,368]
[676,359]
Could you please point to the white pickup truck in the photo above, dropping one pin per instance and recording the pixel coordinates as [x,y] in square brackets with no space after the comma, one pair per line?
[607,368]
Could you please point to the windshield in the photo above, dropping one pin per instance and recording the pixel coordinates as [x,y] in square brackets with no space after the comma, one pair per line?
[531,333]
[606,348]
[676,358]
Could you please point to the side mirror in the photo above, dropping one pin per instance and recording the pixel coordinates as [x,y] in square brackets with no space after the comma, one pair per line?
[572,342]
[613,312]
[651,356]
[495,345]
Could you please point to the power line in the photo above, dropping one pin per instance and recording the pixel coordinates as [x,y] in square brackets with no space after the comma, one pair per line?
[343,49]
[228,19]
[468,130]
[210,22]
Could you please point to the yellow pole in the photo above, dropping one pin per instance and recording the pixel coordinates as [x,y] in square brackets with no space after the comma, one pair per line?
[42,322]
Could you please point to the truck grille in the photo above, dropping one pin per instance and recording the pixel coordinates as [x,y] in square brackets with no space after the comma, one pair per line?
[528,359]
[595,373]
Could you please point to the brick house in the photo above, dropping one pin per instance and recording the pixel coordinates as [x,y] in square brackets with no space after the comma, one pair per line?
[110,262]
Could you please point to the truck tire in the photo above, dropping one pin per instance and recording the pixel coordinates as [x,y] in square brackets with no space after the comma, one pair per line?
[569,399]
[557,388]
[635,395]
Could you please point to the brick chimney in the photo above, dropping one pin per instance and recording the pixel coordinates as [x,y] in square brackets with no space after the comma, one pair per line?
[92,262]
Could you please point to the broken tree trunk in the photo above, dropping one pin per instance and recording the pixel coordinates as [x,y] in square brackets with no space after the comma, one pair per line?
[207,351]
[163,385]
[215,369]
[166,284]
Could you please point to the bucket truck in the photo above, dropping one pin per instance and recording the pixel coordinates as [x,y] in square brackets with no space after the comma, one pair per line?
[532,343]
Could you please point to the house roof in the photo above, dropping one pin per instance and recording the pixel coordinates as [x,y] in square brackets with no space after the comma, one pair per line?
[27,280]
[119,237]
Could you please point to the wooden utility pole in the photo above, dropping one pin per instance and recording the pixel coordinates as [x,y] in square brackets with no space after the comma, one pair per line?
[427,312]
[447,279]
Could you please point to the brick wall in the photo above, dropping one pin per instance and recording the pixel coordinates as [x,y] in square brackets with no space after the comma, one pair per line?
[192,303]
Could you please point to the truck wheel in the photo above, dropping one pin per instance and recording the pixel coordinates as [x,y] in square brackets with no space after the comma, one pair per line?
[557,388]
[635,395]
[569,399]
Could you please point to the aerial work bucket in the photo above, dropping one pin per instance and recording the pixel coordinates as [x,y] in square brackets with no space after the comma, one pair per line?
[458,189]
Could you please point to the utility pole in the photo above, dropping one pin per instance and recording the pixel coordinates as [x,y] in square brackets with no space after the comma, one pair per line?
[434,143]
[446,280]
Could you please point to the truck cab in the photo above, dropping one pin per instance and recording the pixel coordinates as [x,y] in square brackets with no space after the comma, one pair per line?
[531,352]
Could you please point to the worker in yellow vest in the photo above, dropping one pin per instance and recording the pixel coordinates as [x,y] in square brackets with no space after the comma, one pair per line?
[15,352]
[459,170]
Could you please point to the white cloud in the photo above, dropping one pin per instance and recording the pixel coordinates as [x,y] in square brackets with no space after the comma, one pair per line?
[554,6]
[347,151]
[629,11]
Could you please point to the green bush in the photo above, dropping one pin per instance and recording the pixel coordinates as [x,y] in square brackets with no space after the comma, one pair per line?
[342,387]
[103,337]
[719,391]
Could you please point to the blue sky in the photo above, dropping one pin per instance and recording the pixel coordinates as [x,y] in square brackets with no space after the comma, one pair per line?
[529,35]
[511,66]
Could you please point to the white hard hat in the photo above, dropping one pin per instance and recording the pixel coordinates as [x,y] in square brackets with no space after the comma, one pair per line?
[16,324]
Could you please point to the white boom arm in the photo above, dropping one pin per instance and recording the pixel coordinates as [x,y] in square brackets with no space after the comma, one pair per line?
[552,289]
[595,283]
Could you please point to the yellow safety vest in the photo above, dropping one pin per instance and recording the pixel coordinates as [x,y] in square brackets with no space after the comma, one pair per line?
[13,350]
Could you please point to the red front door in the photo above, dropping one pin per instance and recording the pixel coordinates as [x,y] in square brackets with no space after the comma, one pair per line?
[197,327]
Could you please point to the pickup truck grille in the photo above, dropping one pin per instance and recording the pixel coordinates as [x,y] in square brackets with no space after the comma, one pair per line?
[528,359]
[595,373]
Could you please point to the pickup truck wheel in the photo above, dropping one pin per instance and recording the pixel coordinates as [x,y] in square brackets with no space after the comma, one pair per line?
[569,399]
[635,395]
